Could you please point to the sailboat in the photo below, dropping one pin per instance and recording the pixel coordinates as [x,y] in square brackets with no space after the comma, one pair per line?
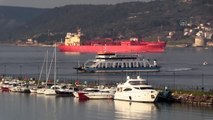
[51,91]
[41,90]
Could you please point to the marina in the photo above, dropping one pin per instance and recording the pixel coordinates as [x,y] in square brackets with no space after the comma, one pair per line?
[180,67]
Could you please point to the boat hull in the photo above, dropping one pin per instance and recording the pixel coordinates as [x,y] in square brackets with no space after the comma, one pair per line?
[5,89]
[95,95]
[64,93]
[104,70]
[82,96]
[143,96]
[49,92]
[113,48]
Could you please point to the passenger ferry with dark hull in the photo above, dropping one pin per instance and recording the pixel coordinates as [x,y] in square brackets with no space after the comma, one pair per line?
[111,62]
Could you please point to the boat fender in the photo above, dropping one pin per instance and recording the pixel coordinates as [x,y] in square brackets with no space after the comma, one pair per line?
[152,96]
[205,63]
[130,98]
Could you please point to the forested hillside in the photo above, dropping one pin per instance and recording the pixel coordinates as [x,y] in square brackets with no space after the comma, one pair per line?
[13,17]
[142,19]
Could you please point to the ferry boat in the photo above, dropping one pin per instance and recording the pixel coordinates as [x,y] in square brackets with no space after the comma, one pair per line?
[135,90]
[111,62]
[73,43]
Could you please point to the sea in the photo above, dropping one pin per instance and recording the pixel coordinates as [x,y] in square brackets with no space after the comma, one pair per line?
[181,68]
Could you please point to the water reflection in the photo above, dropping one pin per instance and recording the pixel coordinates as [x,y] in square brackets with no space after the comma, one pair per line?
[134,110]
[53,107]
[16,106]
[94,109]
[72,53]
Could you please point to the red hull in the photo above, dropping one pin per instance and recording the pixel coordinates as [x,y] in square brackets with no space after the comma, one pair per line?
[146,47]
[82,96]
[5,89]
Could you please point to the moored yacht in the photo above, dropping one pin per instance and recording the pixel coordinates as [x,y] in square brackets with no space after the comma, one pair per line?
[135,90]
[52,90]
[66,90]
[92,93]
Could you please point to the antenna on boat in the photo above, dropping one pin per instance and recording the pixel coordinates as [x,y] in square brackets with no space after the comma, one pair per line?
[77,70]
[55,65]
[158,39]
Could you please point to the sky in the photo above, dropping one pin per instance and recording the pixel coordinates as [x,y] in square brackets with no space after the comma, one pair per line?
[57,3]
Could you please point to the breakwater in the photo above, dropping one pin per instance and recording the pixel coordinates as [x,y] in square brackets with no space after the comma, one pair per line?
[193,97]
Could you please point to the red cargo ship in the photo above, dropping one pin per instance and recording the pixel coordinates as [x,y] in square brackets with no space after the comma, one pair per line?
[73,44]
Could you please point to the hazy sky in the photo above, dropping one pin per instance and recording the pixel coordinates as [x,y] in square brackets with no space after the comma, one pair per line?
[57,3]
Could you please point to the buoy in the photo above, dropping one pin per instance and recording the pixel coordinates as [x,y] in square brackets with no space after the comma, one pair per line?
[205,63]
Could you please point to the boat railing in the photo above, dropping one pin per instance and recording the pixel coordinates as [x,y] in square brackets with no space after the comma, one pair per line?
[129,55]
[89,63]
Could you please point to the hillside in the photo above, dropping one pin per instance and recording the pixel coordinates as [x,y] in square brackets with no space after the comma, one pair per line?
[13,17]
[142,19]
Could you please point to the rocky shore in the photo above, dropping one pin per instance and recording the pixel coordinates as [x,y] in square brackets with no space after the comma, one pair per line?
[198,98]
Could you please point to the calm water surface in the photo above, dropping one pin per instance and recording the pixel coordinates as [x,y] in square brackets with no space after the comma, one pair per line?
[39,107]
[180,67]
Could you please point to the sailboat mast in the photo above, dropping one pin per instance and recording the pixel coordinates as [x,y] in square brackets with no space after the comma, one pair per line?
[43,63]
[55,66]
[47,69]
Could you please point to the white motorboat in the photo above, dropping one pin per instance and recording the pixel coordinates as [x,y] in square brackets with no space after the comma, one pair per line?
[25,90]
[15,89]
[40,90]
[85,90]
[66,90]
[33,90]
[95,93]
[135,90]
[52,90]
[49,92]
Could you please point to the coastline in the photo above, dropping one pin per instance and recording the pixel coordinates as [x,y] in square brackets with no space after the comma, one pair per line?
[189,97]
[37,45]
[26,45]
[178,45]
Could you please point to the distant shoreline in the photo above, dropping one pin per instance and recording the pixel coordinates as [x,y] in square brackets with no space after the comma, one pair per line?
[183,45]
[26,45]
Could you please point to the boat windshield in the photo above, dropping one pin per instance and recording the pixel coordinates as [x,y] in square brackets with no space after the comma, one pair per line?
[143,88]
[91,90]
[137,82]
[89,63]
